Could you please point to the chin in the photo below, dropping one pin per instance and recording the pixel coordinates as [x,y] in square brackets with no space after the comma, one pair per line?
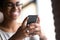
[14,18]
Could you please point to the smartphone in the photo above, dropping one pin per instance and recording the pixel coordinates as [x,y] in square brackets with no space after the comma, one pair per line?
[32,19]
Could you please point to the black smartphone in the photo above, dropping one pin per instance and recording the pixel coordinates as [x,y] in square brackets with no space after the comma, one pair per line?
[32,19]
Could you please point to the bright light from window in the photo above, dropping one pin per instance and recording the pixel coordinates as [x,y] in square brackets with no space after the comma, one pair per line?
[46,18]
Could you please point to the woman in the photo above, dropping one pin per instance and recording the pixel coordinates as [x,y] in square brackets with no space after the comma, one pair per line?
[9,28]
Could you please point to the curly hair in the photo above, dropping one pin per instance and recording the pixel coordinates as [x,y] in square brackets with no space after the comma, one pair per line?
[2,3]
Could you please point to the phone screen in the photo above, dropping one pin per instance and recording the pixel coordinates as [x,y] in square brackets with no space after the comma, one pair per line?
[32,19]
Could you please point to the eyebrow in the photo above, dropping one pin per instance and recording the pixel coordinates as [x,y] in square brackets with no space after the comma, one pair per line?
[12,3]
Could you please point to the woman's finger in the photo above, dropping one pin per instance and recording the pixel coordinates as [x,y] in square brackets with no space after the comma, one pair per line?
[38,20]
[24,24]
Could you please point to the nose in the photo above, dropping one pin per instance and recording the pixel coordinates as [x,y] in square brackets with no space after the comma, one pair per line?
[15,8]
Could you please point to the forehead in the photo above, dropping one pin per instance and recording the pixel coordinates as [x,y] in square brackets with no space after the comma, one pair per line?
[13,1]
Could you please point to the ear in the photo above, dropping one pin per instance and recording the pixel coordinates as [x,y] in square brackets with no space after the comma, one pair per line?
[1,10]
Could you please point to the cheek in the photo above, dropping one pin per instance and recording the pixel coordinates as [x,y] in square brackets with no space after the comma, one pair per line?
[19,9]
[5,11]
[9,9]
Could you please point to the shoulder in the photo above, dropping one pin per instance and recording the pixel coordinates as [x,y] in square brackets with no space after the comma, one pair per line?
[1,35]
[1,32]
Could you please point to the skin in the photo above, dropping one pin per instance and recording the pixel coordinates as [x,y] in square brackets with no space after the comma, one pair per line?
[11,12]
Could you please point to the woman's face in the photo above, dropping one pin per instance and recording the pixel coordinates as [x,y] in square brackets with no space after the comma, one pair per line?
[12,9]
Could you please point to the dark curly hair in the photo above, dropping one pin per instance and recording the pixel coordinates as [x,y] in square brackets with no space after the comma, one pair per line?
[2,3]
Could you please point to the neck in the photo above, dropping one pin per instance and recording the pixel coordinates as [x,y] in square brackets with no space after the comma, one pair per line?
[10,25]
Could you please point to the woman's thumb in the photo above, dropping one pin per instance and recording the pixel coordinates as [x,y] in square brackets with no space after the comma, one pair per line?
[24,24]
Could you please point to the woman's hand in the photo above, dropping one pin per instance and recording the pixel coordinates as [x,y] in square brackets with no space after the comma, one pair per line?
[30,29]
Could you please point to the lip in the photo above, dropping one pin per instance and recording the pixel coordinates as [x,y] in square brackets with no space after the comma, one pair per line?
[15,13]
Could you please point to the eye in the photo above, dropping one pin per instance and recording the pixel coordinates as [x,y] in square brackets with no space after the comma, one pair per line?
[18,4]
[9,5]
